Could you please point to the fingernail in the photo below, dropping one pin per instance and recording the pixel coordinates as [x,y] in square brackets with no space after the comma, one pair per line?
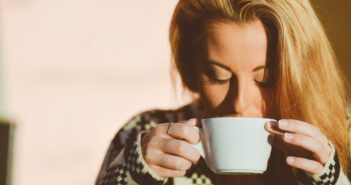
[283,123]
[288,136]
[269,126]
[290,160]
[271,123]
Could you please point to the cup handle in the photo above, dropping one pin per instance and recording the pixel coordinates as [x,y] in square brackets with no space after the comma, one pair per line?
[199,146]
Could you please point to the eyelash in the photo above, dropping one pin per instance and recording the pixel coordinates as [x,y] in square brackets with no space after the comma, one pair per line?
[215,81]
[263,84]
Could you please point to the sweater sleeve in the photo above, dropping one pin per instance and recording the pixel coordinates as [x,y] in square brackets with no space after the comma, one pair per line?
[123,163]
[332,173]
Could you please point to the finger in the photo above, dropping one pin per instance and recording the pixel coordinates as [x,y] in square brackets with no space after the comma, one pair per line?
[173,162]
[164,172]
[272,127]
[185,132]
[310,144]
[192,121]
[165,160]
[180,148]
[162,129]
[307,165]
[300,127]
[288,149]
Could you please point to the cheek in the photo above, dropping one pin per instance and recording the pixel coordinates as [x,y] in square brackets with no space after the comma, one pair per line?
[255,100]
[214,94]
[259,102]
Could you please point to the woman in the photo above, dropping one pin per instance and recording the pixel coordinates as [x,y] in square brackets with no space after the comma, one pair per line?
[243,58]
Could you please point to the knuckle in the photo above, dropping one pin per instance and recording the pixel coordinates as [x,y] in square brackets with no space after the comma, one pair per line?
[178,164]
[181,165]
[160,128]
[184,165]
[148,157]
[296,139]
[195,137]
[187,165]
[154,141]
[181,147]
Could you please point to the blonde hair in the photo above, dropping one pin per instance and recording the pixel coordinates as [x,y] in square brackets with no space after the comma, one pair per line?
[308,83]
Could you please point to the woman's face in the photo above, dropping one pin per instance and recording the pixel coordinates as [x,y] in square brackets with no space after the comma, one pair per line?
[234,74]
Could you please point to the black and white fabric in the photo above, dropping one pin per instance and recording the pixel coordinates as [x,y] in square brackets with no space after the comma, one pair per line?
[331,171]
[124,163]
[131,169]
[329,174]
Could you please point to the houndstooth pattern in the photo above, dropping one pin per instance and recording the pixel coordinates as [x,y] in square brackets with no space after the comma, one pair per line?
[132,169]
[116,175]
[200,179]
[331,176]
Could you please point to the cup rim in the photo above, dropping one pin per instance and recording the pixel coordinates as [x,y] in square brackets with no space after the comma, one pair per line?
[239,118]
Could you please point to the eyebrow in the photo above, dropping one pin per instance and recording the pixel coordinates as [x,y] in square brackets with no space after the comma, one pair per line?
[229,69]
[220,65]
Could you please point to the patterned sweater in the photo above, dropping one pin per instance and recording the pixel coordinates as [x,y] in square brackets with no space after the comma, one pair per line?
[124,163]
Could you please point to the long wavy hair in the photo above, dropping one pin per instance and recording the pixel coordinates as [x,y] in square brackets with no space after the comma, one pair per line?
[308,83]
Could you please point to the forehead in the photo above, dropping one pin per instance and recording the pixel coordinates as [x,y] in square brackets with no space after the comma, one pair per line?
[237,46]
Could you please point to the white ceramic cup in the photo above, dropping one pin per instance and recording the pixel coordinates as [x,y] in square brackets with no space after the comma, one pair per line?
[233,145]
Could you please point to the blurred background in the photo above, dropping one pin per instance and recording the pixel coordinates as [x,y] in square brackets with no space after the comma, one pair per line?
[73,71]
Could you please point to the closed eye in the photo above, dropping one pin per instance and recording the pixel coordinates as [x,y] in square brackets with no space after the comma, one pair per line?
[263,77]
[216,74]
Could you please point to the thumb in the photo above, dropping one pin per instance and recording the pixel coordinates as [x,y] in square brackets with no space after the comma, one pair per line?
[192,122]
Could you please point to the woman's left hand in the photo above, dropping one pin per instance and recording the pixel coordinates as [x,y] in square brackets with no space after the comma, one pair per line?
[304,144]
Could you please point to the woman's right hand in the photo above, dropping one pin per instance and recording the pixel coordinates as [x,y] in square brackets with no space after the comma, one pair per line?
[171,154]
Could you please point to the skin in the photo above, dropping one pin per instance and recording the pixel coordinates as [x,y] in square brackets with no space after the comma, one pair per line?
[234,77]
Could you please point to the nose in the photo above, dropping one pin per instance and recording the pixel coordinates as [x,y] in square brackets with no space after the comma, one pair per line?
[241,98]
